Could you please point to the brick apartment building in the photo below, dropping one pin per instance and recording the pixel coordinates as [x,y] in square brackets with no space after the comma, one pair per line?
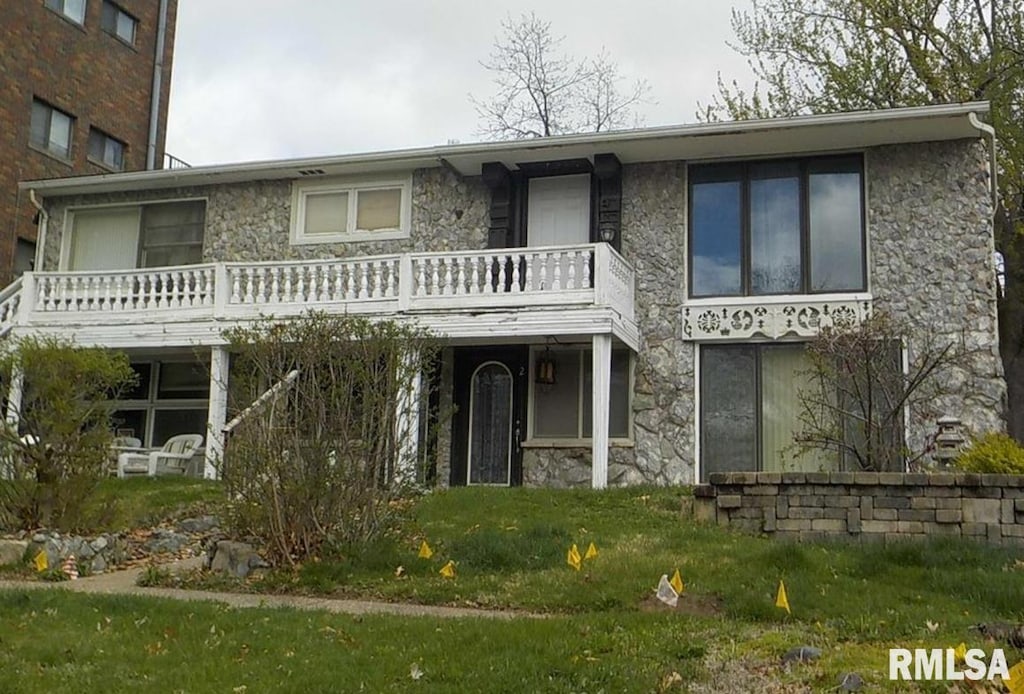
[77,79]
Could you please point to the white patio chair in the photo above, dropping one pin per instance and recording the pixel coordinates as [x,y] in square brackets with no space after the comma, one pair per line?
[117,448]
[173,458]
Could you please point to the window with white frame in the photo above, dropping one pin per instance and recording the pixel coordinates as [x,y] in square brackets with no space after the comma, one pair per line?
[51,129]
[563,410]
[328,212]
[119,23]
[106,150]
[72,9]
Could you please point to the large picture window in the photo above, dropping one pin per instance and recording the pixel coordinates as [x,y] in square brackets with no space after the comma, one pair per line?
[339,212]
[750,407]
[170,398]
[777,227]
[563,410]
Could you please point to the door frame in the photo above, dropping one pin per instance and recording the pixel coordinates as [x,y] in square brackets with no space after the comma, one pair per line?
[467,361]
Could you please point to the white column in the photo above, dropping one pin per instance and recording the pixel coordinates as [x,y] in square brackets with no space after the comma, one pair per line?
[218,413]
[407,419]
[14,393]
[602,378]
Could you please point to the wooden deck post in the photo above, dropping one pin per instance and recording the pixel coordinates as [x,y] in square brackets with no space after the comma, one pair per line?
[218,413]
[602,376]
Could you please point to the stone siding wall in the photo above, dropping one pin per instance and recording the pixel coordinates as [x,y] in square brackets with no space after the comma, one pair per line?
[250,221]
[932,263]
[866,506]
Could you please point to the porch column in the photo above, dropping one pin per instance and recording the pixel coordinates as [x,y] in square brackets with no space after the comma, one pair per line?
[14,393]
[218,413]
[13,414]
[602,378]
[407,418]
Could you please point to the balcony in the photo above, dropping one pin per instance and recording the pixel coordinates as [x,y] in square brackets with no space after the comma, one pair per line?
[585,289]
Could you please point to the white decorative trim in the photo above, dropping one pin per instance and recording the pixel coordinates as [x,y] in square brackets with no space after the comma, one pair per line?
[738,318]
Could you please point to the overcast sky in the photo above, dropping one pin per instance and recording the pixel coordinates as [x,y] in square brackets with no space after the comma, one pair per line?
[265,79]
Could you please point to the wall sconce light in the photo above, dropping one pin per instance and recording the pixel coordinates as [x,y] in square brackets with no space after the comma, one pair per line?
[607,232]
[544,369]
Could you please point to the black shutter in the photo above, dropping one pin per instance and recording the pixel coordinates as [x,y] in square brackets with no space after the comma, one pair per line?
[608,172]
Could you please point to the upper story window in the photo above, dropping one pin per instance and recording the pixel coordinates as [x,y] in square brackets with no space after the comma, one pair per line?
[331,212]
[119,23]
[106,150]
[150,235]
[51,129]
[72,9]
[777,227]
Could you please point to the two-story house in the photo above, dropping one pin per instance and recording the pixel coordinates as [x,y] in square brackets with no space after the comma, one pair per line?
[624,307]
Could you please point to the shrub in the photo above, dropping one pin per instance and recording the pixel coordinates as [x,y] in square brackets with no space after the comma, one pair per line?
[58,451]
[320,460]
[992,452]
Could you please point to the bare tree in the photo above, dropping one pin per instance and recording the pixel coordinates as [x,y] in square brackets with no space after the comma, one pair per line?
[542,91]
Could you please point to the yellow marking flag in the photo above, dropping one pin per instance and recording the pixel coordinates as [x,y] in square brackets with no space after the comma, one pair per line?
[448,570]
[591,552]
[677,582]
[1015,684]
[960,652]
[42,563]
[425,551]
[573,558]
[781,601]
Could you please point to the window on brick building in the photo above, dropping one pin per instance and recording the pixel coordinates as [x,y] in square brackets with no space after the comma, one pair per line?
[118,22]
[51,129]
[106,150]
[72,9]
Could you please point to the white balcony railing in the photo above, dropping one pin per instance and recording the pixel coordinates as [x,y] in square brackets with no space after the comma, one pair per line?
[586,275]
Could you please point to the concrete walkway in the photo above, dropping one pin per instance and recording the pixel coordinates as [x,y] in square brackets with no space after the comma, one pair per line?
[124,583]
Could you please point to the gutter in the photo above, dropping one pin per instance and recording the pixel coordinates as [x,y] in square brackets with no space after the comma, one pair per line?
[44,218]
[158,76]
[973,119]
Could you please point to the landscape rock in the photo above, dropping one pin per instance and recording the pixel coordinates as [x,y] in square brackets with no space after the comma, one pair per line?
[801,654]
[202,524]
[235,558]
[850,682]
[12,551]
[166,541]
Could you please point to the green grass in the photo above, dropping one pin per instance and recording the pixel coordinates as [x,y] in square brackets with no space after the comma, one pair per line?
[54,641]
[509,548]
[136,502]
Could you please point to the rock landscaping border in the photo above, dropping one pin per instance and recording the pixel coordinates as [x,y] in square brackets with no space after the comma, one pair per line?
[865,506]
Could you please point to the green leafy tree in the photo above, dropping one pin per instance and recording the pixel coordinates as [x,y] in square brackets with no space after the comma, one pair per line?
[57,452]
[816,56]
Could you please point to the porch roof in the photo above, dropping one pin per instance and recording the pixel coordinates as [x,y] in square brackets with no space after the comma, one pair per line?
[701,141]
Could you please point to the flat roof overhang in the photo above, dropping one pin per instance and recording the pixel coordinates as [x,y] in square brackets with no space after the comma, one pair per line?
[702,141]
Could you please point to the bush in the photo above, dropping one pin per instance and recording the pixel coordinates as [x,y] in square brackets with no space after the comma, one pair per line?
[319,462]
[55,456]
[992,452]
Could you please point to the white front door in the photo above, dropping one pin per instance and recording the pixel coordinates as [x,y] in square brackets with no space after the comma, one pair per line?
[558,211]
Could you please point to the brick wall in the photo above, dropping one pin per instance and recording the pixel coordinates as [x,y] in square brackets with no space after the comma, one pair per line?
[84,71]
[866,506]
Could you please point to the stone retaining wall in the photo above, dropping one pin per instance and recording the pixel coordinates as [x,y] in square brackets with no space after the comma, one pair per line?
[866,506]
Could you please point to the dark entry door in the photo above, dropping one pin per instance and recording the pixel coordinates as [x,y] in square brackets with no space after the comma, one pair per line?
[490,396]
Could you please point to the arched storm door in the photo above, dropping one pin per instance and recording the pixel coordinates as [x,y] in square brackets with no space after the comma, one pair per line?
[490,424]
[487,429]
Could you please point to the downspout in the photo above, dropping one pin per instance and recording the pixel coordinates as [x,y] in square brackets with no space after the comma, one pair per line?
[158,78]
[40,229]
[972,118]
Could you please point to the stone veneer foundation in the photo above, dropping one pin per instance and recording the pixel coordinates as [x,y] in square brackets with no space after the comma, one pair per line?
[865,506]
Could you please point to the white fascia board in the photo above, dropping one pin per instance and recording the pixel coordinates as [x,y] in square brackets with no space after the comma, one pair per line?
[729,139]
